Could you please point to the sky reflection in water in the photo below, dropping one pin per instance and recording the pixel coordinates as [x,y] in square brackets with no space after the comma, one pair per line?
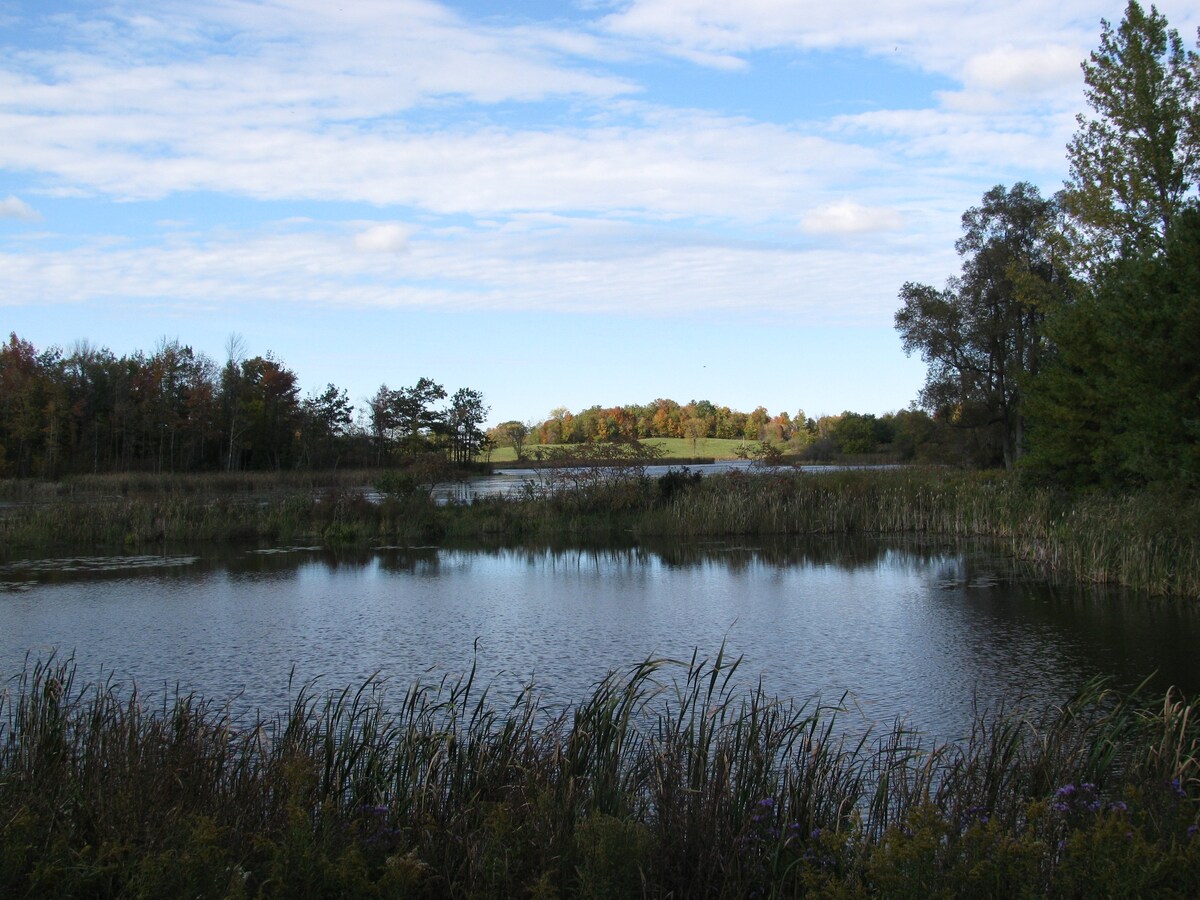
[914,630]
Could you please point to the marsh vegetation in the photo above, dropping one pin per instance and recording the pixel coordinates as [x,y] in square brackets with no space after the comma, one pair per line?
[664,781]
[1145,539]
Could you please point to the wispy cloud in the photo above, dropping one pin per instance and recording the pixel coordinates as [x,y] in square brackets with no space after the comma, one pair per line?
[929,34]
[495,150]
[658,165]
[15,208]
[302,100]
[557,265]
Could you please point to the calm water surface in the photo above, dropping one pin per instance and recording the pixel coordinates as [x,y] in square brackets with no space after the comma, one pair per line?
[914,630]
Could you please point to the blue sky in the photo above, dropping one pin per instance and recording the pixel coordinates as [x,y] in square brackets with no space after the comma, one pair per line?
[557,203]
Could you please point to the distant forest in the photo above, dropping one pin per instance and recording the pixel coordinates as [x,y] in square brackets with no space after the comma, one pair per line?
[176,410]
[904,435]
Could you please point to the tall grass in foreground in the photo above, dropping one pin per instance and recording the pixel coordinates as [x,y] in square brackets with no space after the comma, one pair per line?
[668,781]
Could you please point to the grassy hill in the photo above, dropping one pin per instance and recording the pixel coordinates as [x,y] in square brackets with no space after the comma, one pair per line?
[674,448]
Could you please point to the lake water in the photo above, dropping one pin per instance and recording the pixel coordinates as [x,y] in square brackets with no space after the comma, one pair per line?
[513,479]
[920,630]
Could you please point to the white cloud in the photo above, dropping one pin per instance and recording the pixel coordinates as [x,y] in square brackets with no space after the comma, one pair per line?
[935,35]
[1003,80]
[390,237]
[573,266]
[661,166]
[15,208]
[295,58]
[1028,70]
[969,143]
[361,108]
[848,217]
[387,103]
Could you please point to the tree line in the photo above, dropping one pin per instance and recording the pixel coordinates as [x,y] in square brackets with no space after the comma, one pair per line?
[1069,343]
[176,410]
[907,434]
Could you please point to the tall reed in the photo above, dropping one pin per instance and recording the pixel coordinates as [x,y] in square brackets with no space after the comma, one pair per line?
[1148,541]
[671,779]
[1145,541]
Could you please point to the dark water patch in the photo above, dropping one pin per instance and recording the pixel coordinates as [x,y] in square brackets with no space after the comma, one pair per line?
[32,571]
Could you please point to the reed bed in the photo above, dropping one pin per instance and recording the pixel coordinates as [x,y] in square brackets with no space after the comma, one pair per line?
[1148,541]
[669,780]
[335,516]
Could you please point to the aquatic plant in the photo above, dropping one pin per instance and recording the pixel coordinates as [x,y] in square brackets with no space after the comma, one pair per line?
[670,779]
[1145,540]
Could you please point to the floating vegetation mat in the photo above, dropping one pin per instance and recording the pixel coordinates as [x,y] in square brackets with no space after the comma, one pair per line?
[26,569]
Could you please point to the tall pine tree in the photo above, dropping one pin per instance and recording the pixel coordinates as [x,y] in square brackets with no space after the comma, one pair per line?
[1118,404]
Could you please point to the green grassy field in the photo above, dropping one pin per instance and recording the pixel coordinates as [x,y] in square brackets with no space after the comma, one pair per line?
[673,448]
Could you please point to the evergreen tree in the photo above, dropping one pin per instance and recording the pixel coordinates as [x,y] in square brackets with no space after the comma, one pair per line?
[1135,161]
[1118,403]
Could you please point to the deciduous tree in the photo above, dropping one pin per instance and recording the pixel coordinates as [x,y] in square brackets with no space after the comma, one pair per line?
[270,407]
[982,335]
[694,429]
[464,420]
[515,434]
